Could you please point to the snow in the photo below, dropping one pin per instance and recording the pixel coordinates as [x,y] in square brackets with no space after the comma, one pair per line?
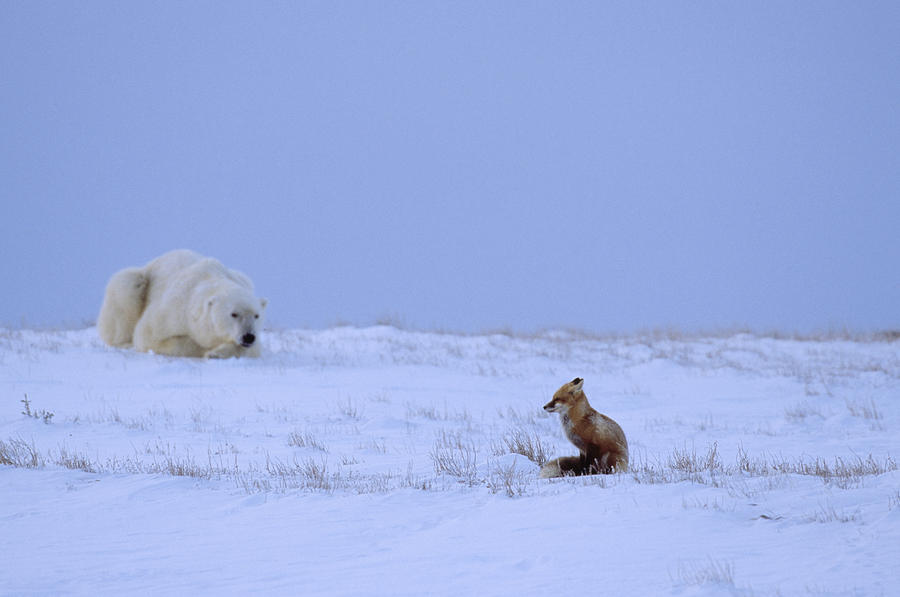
[760,466]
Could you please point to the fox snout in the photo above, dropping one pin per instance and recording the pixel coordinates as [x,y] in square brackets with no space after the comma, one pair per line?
[551,406]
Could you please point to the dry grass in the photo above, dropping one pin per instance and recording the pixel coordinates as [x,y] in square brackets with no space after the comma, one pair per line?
[19,453]
[865,410]
[509,480]
[828,513]
[802,411]
[71,459]
[688,461]
[710,571]
[432,413]
[454,455]
[41,415]
[708,469]
[894,500]
[349,409]
[529,417]
[524,442]
[305,439]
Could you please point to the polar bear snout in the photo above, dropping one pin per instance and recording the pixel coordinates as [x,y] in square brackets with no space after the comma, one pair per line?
[247,340]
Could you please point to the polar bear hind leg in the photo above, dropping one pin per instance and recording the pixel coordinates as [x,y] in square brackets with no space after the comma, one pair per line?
[123,304]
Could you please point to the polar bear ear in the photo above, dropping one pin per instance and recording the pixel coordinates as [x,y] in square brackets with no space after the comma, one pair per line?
[202,309]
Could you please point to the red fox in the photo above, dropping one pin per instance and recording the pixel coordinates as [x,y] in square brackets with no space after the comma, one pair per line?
[599,439]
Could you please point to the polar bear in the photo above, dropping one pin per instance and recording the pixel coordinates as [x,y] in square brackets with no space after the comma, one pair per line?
[182,304]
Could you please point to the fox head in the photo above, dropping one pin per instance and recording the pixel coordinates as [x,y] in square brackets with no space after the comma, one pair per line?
[566,396]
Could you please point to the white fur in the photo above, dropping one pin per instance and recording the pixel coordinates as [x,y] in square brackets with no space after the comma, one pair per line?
[182,304]
[551,470]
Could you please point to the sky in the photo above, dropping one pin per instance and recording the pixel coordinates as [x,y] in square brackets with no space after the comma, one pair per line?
[607,166]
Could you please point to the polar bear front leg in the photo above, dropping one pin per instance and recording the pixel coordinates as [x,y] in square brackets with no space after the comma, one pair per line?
[179,346]
[226,350]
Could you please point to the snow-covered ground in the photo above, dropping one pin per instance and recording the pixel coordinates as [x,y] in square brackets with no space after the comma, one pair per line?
[386,462]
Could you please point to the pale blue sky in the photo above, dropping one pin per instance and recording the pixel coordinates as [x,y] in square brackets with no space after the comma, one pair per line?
[463,165]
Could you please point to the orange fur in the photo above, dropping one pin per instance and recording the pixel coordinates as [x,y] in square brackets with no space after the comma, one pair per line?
[600,441]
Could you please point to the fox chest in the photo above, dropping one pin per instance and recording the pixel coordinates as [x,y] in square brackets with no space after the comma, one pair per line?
[572,433]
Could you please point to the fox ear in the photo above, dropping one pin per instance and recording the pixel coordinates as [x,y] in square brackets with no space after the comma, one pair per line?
[576,384]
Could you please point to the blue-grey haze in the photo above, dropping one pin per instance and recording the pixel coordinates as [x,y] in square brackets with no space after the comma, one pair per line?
[461,165]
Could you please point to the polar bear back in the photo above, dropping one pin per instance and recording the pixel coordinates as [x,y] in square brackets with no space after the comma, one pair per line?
[177,273]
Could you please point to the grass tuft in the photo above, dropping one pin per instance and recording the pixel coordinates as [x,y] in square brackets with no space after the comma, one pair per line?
[41,415]
[454,455]
[305,439]
[19,453]
[524,442]
[709,572]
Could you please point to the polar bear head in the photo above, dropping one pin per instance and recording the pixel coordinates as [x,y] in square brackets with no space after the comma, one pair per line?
[238,316]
